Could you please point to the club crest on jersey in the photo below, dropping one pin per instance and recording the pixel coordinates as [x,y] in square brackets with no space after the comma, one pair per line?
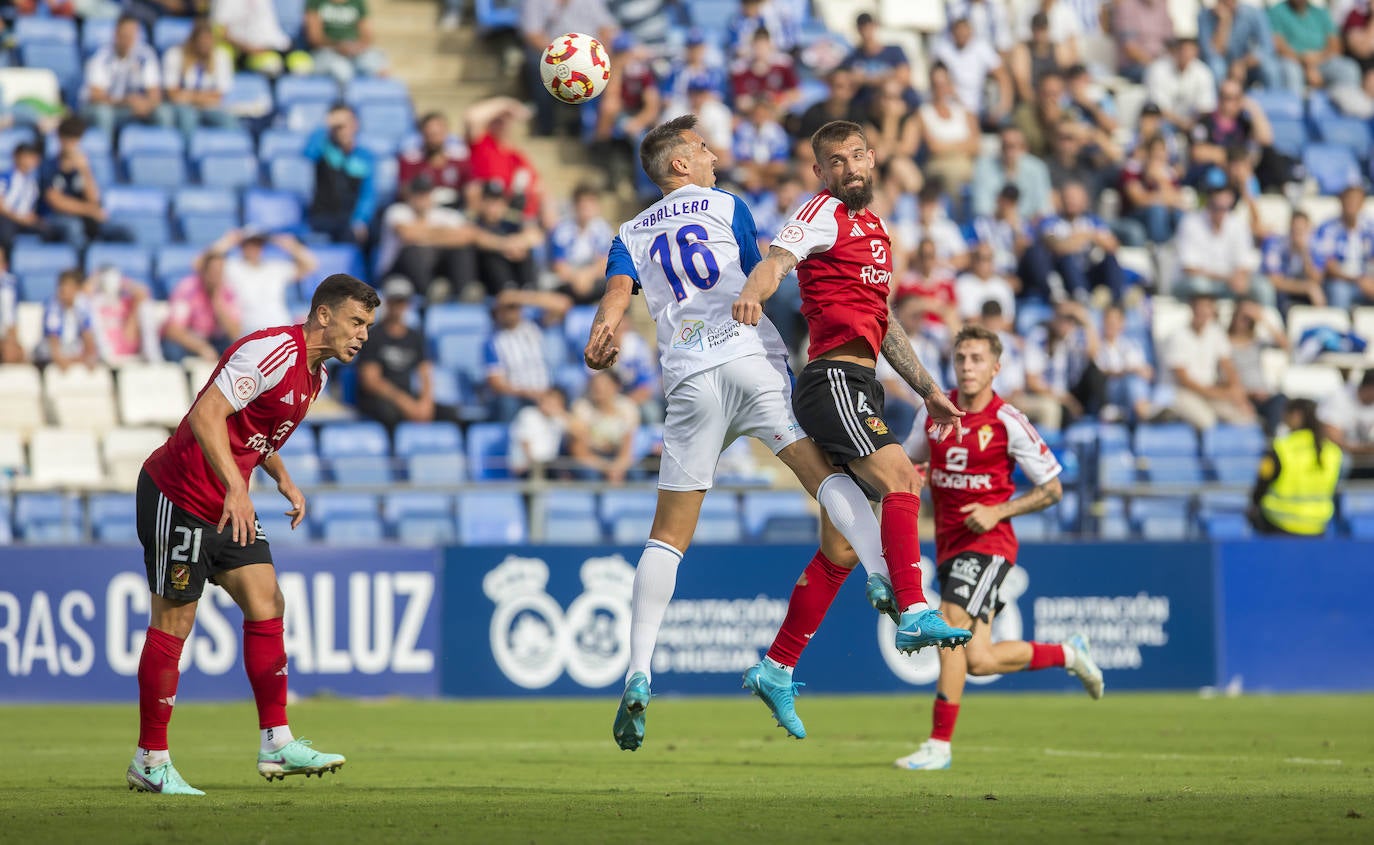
[181,576]
[879,427]
[689,336]
[984,437]
[791,234]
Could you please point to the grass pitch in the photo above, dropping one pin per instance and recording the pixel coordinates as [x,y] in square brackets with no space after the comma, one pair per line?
[1037,768]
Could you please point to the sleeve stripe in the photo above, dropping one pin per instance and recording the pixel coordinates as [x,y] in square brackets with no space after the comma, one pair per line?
[811,209]
[274,359]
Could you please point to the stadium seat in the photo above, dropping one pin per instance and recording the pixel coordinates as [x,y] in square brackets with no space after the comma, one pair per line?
[62,59]
[1361,527]
[204,201]
[1290,136]
[277,527]
[152,394]
[413,503]
[1279,104]
[125,450]
[155,170]
[37,288]
[81,398]
[171,32]
[494,15]
[1165,528]
[1034,528]
[573,530]
[717,529]
[1349,132]
[21,398]
[131,259]
[1116,470]
[1311,381]
[761,505]
[339,505]
[445,317]
[280,142]
[383,145]
[113,517]
[1300,318]
[176,261]
[353,438]
[207,141]
[577,326]
[123,201]
[361,470]
[578,504]
[433,438]
[1145,507]
[352,531]
[1356,503]
[42,258]
[1332,165]
[36,29]
[489,518]
[249,96]
[302,116]
[1236,469]
[1275,213]
[48,517]
[1227,439]
[11,138]
[632,529]
[228,170]
[292,174]
[1212,502]
[487,445]
[201,230]
[426,531]
[462,353]
[64,457]
[294,88]
[1226,526]
[784,529]
[271,210]
[1158,440]
[1181,469]
[373,89]
[135,138]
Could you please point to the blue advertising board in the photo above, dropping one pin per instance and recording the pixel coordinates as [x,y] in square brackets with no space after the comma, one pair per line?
[361,622]
[555,620]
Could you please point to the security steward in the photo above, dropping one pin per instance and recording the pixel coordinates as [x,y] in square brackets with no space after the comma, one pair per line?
[1295,493]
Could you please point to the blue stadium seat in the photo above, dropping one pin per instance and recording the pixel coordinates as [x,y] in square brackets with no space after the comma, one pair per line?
[574,530]
[155,170]
[171,32]
[1144,508]
[62,59]
[426,531]
[1361,527]
[148,229]
[621,503]
[201,229]
[1113,527]
[35,29]
[1226,526]
[11,138]
[760,506]
[493,15]
[37,287]
[432,438]
[1211,502]
[205,201]
[385,178]
[718,529]
[441,469]
[412,503]
[278,528]
[138,138]
[353,531]
[490,518]
[577,326]
[1167,439]
[462,353]
[206,141]
[122,201]
[294,175]
[1226,439]
[332,505]
[119,532]
[271,210]
[228,170]
[1174,470]
[373,89]
[1350,132]
[291,15]
[302,116]
[1165,528]
[102,168]
[442,318]
[1290,136]
[361,470]
[43,258]
[107,507]
[631,529]
[571,503]
[1235,469]
[1116,470]
[1035,528]
[783,529]
[1279,104]
[487,446]
[281,142]
[177,261]
[386,119]
[354,438]
[293,88]
[1332,165]
[382,145]
[48,517]
[131,259]
[96,33]
[249,96]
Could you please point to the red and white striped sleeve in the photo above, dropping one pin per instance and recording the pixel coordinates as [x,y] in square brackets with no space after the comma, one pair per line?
[1026,447]
[812,229]
[256,367]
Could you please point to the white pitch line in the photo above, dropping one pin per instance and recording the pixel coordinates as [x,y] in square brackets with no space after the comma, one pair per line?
[1110,755]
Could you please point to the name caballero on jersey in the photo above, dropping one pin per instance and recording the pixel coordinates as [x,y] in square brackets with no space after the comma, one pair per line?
[673,209]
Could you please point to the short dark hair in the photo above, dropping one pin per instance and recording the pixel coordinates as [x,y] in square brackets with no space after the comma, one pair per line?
[28,148]
[429,116]
[72,275]
[585,189]
[337,289]
[128,18]
[1298,212]
[932,191]
[834,132]
[72,126]
[975,332]
[660,144]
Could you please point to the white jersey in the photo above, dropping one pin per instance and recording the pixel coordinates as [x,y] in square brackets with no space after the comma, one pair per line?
[690,254]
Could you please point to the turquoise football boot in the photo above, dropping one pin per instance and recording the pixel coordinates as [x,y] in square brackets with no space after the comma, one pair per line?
[163,779]
[776,687]
[879,591]
[628,729]
[928,627]
[297,757]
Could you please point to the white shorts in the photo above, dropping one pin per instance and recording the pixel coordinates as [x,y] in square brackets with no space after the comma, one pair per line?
[708,410]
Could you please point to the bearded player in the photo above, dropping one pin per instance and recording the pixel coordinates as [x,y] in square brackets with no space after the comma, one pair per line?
[971,485]
[843,257]
[197,524]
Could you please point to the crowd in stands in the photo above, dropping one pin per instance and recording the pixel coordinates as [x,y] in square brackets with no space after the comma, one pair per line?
[1160,209]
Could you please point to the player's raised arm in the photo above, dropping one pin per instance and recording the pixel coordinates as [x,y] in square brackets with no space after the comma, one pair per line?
[762,283]
[897,350]
[207,421]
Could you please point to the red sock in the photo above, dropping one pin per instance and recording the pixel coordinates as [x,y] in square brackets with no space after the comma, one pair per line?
[1046,656]
[264,656]
[902,547]
[157,687]
[811,598]
[942,719]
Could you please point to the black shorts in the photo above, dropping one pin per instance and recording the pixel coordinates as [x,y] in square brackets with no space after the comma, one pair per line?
[181,551]
[972,581]
[840,405]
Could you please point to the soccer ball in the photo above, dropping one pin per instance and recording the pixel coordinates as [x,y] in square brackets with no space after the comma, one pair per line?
[575,67]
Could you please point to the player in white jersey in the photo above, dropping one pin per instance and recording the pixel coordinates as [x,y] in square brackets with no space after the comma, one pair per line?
[690,254]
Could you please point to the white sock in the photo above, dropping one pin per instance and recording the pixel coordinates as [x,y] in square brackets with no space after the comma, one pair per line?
[655,580]
[1070,656]
[939,744]
[151,758]
[776,665]
[916,608]
[275,738]
[849,511]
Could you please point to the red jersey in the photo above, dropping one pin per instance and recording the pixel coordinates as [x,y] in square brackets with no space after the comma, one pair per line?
[773,81]
[844,269]
[266,380]
[938,287]
[974,466]
[450,173]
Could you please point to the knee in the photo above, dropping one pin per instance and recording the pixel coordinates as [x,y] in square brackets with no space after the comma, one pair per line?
[980,662]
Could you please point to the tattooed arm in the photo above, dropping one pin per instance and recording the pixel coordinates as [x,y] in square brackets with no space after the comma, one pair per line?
[601,350]
[897,351]
[762,283]
[981,518]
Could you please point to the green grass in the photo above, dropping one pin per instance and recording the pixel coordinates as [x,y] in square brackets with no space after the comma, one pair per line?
[1038,768]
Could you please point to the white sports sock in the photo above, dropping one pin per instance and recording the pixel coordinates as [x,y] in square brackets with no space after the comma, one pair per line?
[655,580]
[776,665]
[849,511]
[151,758]
[276,738]
[1070,656]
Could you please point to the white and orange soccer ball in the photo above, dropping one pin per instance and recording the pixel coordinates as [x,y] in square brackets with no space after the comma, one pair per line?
[575,67]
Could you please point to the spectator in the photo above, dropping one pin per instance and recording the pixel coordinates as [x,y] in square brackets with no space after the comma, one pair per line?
[1063,25]
[345,194]
[1344,249]
[197,75]
[420,238]
[260,283]
[1075,158]
[637,368]
[1090,106]
[1071,378]
[504,243]
[1079,247]
[931,283]
[894,134]
[541,21]
[982,282]
[601,431]
[578,247]
[538,436]
[496,158]
[68,327]
[715,121]
[1240,176]
[1198,359]
[1009,235]
[71,195]
[253,31]
[1349,421]
[339,33]
[1020,380]
[840,105]
[1142,30]
[203,314]
[1150,187]
[1181,85]
[698,65]
[1121,361]
[971,63]
[989,19]
[124,82]
[1216,252]
[1034,57]
[1291,266]
[1237,44]
[148,11]
[440,156]
[761,14]
[1038,118]
[125,322]
[19,196]
[1247,347]
[395,375]
[630,106]
[932,222]
[1017,167]
[764,72]
[761,146]
[517,372]
[902,400]
[11,351]
[875,63]
[1309,48]
[949,132]
[1238,123]
[1357,32]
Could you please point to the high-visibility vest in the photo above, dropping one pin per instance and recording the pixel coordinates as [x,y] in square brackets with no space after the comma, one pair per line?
[1302,499]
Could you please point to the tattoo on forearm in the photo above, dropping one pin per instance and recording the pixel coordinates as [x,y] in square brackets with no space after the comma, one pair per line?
[1041,497]
[784,260]
[897,351]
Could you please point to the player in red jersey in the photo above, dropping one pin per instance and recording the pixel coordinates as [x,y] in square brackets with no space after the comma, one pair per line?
[196,523]
[970,483]
[843,257]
